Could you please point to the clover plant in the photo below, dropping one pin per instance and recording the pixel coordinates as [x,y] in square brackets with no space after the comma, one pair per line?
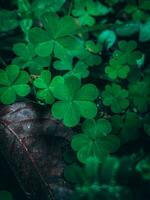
[88,61]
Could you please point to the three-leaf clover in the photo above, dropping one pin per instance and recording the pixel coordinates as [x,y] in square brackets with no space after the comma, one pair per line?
[127,53]
[87,9]
[116,97]
[95,140]
[13,83]
[116,69]
[43,83]
[74,101]
[27,58]
[58,34]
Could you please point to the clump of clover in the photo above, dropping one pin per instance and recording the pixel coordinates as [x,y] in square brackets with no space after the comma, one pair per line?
[62,60]
[86,10]
[27,58]
[95,140]
[115,97]
[73,100]
[13,83]
[122,60]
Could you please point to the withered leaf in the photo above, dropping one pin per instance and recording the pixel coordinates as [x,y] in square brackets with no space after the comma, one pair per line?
[33,144]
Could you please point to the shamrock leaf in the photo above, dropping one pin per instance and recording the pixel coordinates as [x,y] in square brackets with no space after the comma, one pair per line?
[116,69]
[4,195]
[85,10]
[44,88]
[95,140]
[140,94]
[58,35]
[13,83]
[127,52]
[74,101]
[116,97]
[27,58]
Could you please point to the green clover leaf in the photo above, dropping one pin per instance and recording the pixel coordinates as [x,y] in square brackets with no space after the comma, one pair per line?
[27,58]
[13,83]
[127,53]
[140,94]
[95,140]
[58,34]
[85,10]
[43,84]
[115,70]
[115,97]
[74,101]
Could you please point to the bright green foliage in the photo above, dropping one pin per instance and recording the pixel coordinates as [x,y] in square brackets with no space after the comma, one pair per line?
[85,10]
[115,97]
[44,88]
[127,52]
[4,195]
[116,69]
[74,101]
[140,94]
[13,83]
[27,58]
[88,61]
[57,35]
[95,140]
